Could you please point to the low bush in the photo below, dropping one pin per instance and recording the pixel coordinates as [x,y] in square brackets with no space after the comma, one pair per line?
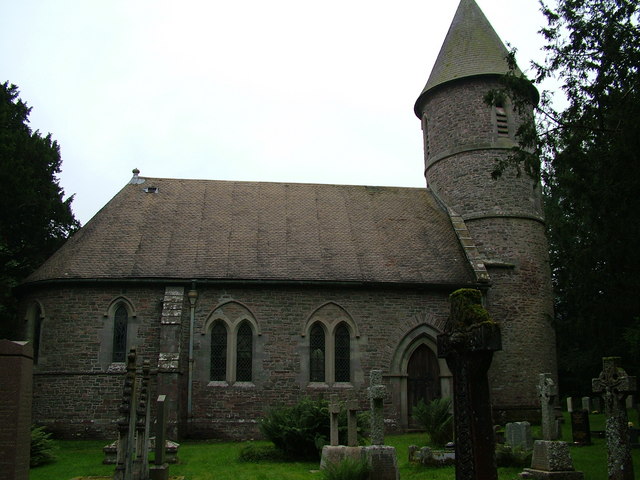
[437,420]
[506,456]
[42,447]
[299,431]
[347,469]
[252,453]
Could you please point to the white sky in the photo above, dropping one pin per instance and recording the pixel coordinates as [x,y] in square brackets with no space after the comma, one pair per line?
[281,90]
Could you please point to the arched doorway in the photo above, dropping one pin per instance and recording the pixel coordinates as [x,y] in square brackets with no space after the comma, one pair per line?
[423,378]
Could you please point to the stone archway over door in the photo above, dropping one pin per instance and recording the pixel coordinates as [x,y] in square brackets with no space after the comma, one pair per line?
[423,377]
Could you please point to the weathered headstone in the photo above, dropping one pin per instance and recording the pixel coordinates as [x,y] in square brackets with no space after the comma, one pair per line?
[547,391]
[580,427]
[551,460]
[352,422]
[587,404]
[376,392]
[143,414]
[569,404]
[160,468]
[334,411]
[614,385]
[468,348]
[518,435]
[16,370]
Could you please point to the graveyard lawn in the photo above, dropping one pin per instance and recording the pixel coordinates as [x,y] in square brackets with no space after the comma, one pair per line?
[214,460]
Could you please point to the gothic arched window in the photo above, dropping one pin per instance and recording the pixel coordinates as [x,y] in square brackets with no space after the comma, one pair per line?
[120,325]
[342,354]
[244,353]
[317,353]
[218,352]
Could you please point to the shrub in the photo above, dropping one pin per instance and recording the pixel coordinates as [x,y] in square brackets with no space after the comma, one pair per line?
[506,456]
[346,469]
[299,431]
[436,419]
[251,453]
[42,447]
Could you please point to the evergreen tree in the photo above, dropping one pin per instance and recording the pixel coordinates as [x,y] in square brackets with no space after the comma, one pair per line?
[590,165]
[34,217]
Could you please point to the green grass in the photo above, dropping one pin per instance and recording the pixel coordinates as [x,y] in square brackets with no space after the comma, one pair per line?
[217,460]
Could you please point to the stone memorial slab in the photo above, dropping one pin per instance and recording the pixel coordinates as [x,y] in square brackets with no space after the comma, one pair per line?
[569,404]
[518,435]
[551,460]
[580,428]
[587,404]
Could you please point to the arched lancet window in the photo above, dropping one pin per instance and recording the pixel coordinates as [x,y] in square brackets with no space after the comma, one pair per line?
[218,352]
[120,324]
[244,353]
[317,353]
[343,354]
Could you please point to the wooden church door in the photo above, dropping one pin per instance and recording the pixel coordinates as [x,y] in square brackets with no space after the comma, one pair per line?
[423,378]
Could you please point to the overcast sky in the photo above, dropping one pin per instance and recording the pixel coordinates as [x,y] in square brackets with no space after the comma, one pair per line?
[281,90]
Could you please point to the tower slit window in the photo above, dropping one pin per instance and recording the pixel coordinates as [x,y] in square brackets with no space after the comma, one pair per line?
[502,122]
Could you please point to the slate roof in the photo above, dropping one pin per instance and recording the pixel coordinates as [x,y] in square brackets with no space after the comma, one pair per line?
[471,48]
[224,231]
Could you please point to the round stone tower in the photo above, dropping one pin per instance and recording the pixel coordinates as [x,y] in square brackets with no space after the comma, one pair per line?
[463,138]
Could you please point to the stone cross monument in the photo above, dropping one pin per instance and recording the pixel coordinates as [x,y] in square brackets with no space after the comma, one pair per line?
[614,385]
[547,392]
[376,392]
[468,348]
[334,411]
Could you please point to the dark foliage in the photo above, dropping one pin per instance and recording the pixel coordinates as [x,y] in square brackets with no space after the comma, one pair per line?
[347,469]
[590,164]
[251,453]
[42,447]
[34,217]
[436,418]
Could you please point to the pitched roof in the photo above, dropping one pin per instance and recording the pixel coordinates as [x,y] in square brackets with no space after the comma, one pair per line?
[219,230]
[471,48]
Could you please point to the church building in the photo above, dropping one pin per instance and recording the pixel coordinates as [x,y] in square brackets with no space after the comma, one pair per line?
[249,295]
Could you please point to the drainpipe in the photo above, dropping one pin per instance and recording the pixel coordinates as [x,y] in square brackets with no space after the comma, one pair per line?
[193,296]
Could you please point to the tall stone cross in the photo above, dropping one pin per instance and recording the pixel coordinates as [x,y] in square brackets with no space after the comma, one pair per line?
[468,349]
[376,392]
[127,422]
[352,422]
[547,392]
[614,385]
[334,411]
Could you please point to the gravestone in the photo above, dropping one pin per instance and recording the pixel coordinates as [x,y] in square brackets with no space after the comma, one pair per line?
[614,385]
[160,468]
[352,422]
[518,435]
[569,404]
[126,423]
[143,414]
[580,428]
[16,369]
[547,391]
[334,411]
[587,404]
[468,349]
[551,460]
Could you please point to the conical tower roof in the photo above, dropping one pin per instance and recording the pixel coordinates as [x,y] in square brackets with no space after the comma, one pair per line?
[471,48]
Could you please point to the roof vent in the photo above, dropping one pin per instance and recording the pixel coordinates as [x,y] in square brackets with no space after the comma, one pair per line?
[151,189]
[136,180]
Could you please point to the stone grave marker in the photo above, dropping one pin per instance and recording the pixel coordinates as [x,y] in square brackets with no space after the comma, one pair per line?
[587,404]
[127,423]
[334,411]
[352,422]
[518,435]
[580,428]
[16,370]
[160,468]
[468,349]
[614,385]
[376,393]
[551,460]
[569,404]
[547,391]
